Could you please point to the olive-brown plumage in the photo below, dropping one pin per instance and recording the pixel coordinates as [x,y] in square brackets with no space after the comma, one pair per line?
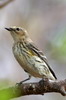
[31,59]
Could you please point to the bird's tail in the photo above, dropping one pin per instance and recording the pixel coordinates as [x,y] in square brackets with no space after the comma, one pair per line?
[50,76]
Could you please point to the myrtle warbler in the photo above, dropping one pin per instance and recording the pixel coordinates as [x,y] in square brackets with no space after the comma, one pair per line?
[31,59]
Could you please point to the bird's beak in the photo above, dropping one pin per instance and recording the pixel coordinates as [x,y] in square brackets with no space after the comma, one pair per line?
[9,29]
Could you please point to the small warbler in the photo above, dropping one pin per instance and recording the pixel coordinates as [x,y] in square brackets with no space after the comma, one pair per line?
[31,59]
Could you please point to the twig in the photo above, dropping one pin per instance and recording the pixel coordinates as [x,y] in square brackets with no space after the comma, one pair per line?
[38,88]
[5,3]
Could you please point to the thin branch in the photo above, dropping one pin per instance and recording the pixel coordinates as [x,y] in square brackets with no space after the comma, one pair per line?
[5,3]
[38,88]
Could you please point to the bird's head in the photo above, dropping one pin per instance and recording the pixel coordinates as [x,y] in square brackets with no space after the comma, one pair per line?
[18,33]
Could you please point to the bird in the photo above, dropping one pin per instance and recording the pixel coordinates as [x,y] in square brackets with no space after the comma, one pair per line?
[28,55]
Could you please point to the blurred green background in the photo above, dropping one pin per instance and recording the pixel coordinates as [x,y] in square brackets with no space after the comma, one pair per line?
[45,20]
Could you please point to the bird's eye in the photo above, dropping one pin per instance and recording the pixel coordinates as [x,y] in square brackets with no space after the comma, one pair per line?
[17,29]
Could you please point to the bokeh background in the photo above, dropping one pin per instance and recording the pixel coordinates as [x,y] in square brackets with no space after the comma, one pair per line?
[45,20]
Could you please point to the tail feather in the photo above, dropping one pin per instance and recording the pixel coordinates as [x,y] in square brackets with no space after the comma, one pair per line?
[53,74]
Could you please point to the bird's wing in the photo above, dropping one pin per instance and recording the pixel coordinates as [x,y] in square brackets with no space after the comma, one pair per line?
[39,53]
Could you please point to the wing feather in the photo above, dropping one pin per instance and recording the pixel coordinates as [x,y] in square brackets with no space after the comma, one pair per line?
[39,53]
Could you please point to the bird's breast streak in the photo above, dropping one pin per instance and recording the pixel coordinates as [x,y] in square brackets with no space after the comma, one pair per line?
[33,65]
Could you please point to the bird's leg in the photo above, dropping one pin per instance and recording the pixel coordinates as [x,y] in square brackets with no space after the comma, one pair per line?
[24,80]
